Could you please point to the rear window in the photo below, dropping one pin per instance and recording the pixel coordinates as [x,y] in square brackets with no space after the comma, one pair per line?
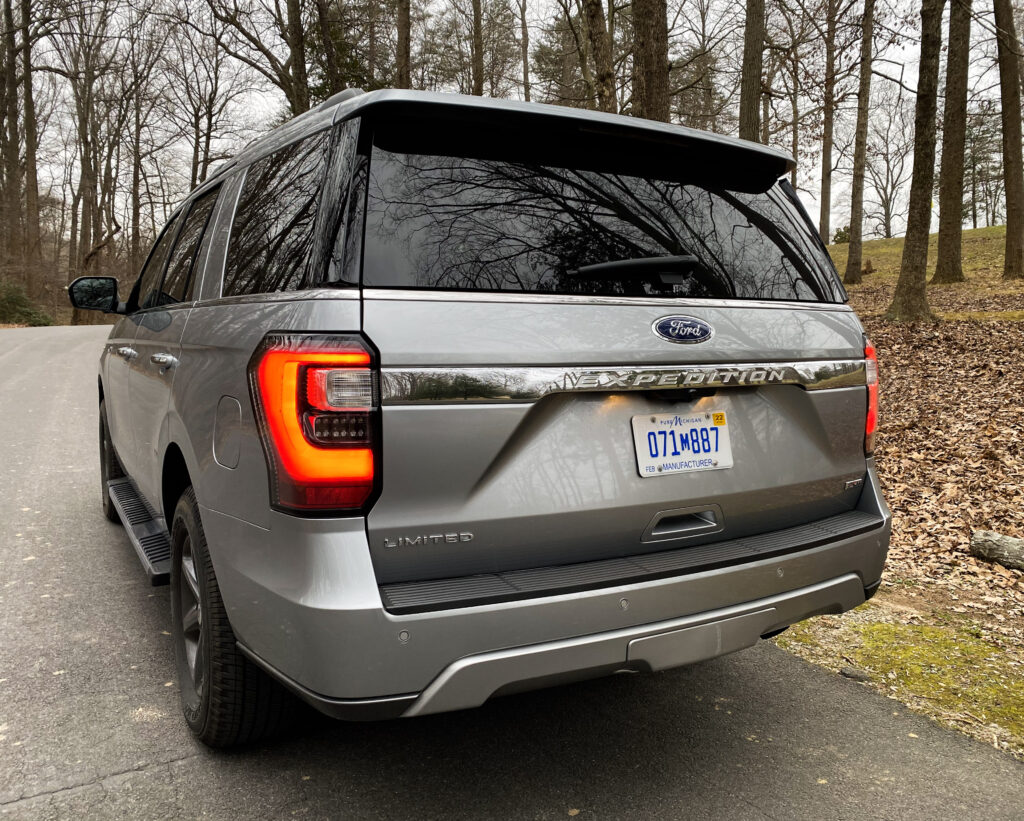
[478,211]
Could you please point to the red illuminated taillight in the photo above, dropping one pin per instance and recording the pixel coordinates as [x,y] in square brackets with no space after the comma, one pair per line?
[316,401]
[871,370]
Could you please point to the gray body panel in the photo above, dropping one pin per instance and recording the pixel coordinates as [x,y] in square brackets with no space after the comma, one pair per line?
[149,391]
[539,478]
[555,480]
[302,595]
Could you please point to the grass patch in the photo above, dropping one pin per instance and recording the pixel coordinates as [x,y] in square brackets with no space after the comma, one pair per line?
[965,677]
[983,250]
[984,296]
[941,663]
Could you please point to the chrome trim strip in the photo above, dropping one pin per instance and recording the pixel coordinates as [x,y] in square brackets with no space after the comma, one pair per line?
[418,386]
[282,296]
[414,295]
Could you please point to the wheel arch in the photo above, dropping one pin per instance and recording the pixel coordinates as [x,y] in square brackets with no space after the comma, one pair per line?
[174,478]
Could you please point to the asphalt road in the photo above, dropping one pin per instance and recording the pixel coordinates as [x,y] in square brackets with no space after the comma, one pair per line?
[90,728]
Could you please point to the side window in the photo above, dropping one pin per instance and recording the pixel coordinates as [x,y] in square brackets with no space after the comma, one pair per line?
[341,211]
[146,289]
[274,224]
[179,282]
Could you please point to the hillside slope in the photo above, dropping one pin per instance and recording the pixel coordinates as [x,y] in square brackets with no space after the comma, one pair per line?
[985,295]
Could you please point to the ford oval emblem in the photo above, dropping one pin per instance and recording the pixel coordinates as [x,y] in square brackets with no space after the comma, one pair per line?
[685,329]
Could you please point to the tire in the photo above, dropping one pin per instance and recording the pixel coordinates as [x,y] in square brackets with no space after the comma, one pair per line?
[110,466]
[225,698]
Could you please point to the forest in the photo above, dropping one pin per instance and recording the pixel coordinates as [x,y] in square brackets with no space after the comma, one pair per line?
[902,115]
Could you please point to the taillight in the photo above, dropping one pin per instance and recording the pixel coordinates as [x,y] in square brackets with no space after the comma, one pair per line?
[316,402]
[871,370]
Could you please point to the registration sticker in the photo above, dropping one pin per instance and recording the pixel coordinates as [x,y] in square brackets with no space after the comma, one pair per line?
[681,443]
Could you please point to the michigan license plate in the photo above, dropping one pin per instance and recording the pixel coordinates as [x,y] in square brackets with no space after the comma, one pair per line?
[681,443]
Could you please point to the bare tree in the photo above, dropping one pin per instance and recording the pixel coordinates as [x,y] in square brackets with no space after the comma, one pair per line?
[206,84]
[32,29]
[650,59]
[10,141]
[524,45]
[910,301]
[949,262]
[478,48]
[1009,48]
[601,50]
[404,57]
[860,150]
[750,80]
[256,33]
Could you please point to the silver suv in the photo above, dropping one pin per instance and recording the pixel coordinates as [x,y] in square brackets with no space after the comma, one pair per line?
[424,399]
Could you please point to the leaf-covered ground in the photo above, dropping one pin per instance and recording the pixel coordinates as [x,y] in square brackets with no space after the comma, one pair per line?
[945,634]
[950,449]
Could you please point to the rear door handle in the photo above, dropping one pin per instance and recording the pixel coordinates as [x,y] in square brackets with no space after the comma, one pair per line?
[164,360]
[682,523]
[127,353]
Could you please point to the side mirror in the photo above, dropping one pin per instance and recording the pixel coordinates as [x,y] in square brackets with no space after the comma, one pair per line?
[94,294]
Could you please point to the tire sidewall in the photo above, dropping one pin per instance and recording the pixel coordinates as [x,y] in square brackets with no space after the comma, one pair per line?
[195,707]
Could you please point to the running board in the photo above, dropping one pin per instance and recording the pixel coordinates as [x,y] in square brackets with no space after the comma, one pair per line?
[147,537]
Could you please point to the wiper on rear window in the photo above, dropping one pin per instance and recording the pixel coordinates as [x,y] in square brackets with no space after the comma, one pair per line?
[640,266]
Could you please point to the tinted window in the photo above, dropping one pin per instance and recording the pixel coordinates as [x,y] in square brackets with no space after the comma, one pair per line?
[273,229]
[147,288]
[529,219]
[180,279]
[342,207]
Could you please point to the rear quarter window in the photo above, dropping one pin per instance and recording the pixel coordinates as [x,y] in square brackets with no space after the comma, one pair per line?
[509,219]
[273,230]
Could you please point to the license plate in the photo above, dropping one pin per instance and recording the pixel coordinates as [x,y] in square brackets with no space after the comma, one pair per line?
[681,443]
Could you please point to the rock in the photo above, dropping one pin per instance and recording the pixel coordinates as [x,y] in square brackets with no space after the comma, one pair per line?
[855,674]
[995,547]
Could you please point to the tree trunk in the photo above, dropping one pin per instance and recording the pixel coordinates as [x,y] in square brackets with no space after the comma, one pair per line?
[33,248]
[828,114]
[76,197]
[995,547]
[297,55]
[405,43]
[794,109]
[650,60]
[854,253]
[478,48]
[601,49]
[135,242]
[525,47]
[949,263]
[750,78]
[910,301]
[1009,47]
[12,144]
[334,80]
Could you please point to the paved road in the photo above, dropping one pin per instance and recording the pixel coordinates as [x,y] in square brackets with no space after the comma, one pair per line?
[89,724]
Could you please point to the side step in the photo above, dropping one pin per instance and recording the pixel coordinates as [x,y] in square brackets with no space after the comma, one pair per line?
[150,540]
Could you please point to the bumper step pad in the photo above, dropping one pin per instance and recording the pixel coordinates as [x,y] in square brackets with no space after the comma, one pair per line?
[491,588]
[149,539]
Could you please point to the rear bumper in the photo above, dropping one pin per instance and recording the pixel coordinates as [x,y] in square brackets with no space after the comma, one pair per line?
[470,681]
[304,603]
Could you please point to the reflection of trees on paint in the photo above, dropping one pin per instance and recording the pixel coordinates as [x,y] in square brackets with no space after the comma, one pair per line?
[493,225]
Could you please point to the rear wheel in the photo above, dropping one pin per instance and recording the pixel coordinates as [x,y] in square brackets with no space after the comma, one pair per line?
[110,467]
[225,698]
